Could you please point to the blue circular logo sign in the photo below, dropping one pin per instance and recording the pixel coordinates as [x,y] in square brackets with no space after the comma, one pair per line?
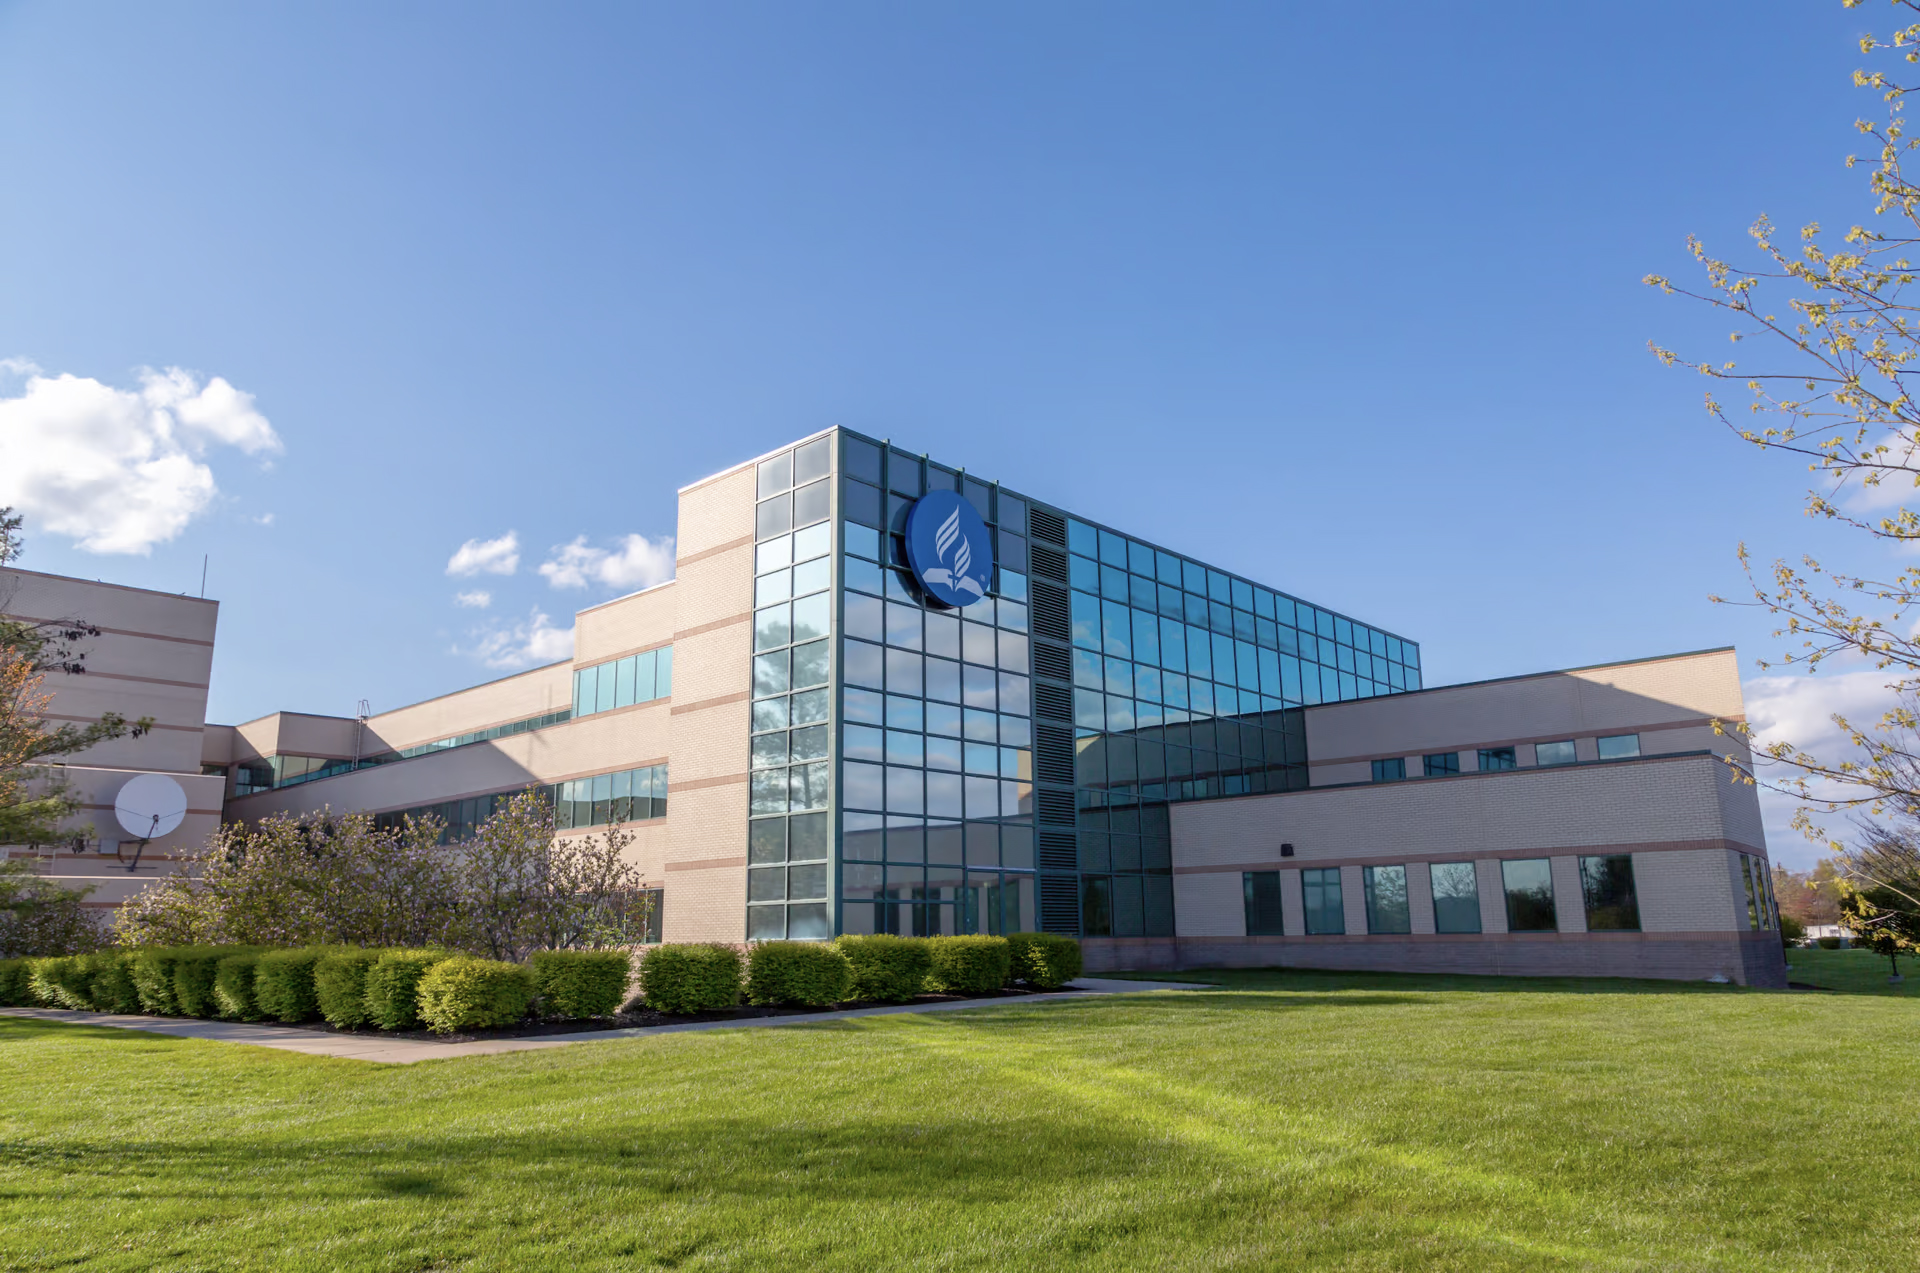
[949,548]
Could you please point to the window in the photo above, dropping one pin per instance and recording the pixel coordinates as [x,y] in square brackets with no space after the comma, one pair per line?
[1389,770]
[1263,903]
[1321,890]
[1387,900]
[1753,901]
[1456,898]
[1529,884]
[1441,764]
[1560,753]
[1495,758]
[1619,746]
[638,678]
[630,796]
[1606,885]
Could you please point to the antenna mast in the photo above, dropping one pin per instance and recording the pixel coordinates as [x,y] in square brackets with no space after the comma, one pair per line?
[362,710]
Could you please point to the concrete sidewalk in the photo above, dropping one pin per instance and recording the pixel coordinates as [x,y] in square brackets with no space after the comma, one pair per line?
[389,1050]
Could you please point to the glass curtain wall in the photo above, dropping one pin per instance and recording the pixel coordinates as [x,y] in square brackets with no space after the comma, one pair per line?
[936,747]
[789,880]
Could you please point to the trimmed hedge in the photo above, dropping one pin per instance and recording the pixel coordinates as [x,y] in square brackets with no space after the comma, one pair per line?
[803,972]
[973,965]
[464,993]
[581,983]
[194,969]
[63,981]
[690,977]
[152,968]
[283,983]
[1044,960]
[16,984]
[340,986]
[885,967]
[111,981]
[393,985]
[233,986]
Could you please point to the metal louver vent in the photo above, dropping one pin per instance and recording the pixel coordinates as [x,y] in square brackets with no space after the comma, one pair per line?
[1047,563]
[1047,525]
[1053,754]
[1052,702]
[1054,807]
[1058,852]
[1051,617]
[1060,904]
[1052,661]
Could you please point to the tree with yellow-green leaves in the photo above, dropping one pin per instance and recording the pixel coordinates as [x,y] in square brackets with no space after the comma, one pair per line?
[1837,337]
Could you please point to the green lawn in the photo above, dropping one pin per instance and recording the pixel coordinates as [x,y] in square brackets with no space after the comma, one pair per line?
[1854,971]
[1285,1120]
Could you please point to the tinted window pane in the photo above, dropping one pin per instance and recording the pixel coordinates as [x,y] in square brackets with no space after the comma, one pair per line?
[1321,891]
[1606,884]
[1456,898]
[1529,886]
[1387,900]
[1620,747]
[1560,753]
[1262,890]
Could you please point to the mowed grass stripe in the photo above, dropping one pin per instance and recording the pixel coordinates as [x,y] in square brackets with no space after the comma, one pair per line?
[1291,1121]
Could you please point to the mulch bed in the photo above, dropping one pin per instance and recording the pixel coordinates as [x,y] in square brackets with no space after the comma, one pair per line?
[632,1016]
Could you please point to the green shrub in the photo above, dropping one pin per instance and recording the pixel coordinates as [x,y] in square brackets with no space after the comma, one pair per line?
[110,978]
[804,972]
[340,986]
[1828,943]
[886,967]
[464,993]
[1792,931]
[16,984]
[690,977]
[233,986]
[1046,961]
[63,981]
[152,969]
[581,983]
[393,987]
[283,983]
[194,968]
[974,965]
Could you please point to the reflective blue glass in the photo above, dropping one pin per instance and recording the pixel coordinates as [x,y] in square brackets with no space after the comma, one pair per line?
[1086,669]
[1082,538]
[1119,676]
[1116,636]
[1242,595]
[1167,568]
[1086,621]
[1199,652]
[1113,583]
[1222,659]
[1113,550]
[1146,682]
[1171,603]
[1083,573]
[1146,637]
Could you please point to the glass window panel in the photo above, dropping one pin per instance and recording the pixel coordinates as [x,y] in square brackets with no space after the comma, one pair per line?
[1343,631]
[943,753]
[1116,629]
[943,718]
[864,786]
[1606,885]
[863,663]
[1142,593]
[1086,621]
[943,680]
[904,748]
[1146,682]
[815,459]
[812,576]
[776,474]
[810,837]
[811,664]
[1083,573]
[1246,665]
[774,517]
[903,672]
[1386,889]
[866,617]
[623,683]
[605,693]
[1222,659]
[903,473]
[811,503]
[1619,746]
[903,626]
[769,750]
[863,742]
[1441,764]
[982,726]
[1262,890]
[770,713]
[1114,585]
[1113,549]
[1529,887]
[977,687]
[1456,898]
[812,617]
[777,586]
[1146,637]
[768,792]
[904,712]
[1012,616]
[943,797]
[772,627]
[1119,677]
[866,706]
[1199,652]
[766,883]
[1497,758]
[1560,753]
[807,785]
[982,758]
[977,643]
[861,541]
[863,576]
[1082,538]
[1119,713]
[1242,595]
[1088,669]
[766,841]
[897,588]
[861,503]
[1089,709]
[775,554]
[904,790]
[1320,889]
[810,743]
[983,798]
[811,706]
[1173,690]
[942,635]
[1014,654]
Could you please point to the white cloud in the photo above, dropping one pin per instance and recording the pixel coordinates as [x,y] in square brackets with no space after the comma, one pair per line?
[523,644]
[1799,710]
[486,556]
[265,519]
[478,599]
[637,562]
[120,470]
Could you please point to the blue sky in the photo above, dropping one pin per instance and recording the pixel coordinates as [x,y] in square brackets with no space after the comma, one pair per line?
[1346,298]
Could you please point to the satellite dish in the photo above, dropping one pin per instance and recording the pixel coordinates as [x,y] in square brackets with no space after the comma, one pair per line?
[150,806]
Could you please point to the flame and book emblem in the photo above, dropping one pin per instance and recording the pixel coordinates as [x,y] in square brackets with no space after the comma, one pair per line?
[948,548]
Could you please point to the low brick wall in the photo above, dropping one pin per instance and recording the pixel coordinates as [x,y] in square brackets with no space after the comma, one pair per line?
[1753,959]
